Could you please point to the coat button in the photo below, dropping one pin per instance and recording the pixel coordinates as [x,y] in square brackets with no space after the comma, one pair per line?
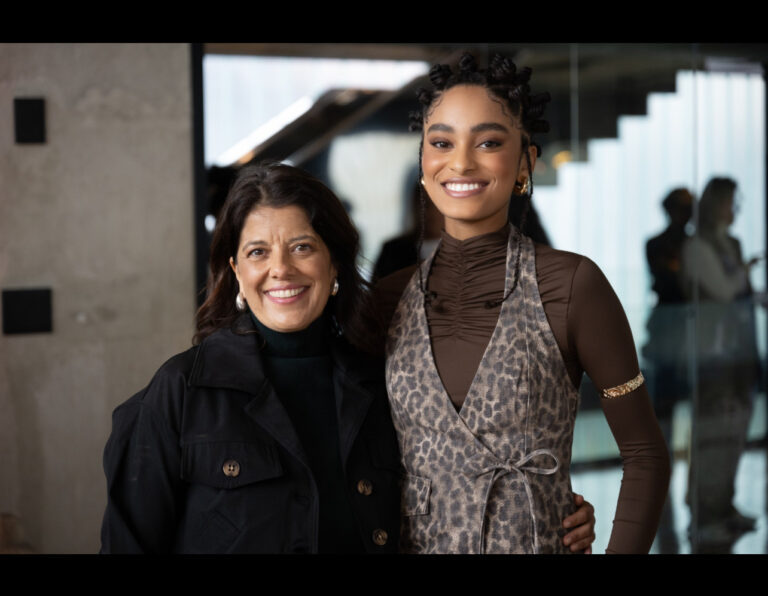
[380,537]
[231,468]
[365,487]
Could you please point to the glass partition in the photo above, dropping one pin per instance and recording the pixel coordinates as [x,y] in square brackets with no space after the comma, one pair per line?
[655,168]
[672,208]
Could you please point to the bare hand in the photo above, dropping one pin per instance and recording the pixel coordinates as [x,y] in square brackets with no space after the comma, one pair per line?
[582,526]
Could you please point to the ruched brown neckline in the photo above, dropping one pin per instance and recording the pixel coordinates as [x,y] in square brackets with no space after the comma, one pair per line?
[464,277]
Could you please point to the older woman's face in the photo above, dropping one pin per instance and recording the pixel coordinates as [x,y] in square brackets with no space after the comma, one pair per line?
[283,267]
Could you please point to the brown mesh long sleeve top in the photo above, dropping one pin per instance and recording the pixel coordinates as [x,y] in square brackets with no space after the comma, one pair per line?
[593,336]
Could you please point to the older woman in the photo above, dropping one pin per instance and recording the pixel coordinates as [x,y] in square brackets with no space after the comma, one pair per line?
[489,339]
[272,434]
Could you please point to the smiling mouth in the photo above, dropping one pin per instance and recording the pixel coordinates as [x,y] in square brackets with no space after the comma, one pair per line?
[463,186]
[288,293]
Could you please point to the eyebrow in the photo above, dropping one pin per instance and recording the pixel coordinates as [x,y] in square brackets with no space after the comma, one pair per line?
[489,126]
[440,128]
[265,243]
[482,127]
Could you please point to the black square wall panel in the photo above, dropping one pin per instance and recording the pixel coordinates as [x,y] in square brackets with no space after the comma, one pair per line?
[27,311]
[29,119]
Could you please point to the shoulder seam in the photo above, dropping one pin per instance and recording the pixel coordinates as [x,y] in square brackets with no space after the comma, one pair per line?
[569,329]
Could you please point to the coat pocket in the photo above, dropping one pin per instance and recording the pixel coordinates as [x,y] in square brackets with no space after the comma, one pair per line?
[229,464]
[415,495]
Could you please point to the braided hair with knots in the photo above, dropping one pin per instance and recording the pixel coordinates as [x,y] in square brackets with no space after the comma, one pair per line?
[507,85]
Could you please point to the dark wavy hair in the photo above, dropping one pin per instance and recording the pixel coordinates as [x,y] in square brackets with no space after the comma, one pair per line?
[278,185]
[507,85]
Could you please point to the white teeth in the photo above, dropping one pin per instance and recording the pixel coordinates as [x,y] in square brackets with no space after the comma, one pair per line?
[285,293]
[456,187]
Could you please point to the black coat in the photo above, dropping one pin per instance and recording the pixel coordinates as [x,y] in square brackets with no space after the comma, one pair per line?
[206,460]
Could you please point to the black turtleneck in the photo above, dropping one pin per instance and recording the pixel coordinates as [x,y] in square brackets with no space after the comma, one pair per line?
[299,366]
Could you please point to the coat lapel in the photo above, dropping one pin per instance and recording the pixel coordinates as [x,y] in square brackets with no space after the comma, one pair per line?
[233,361]
[267,411]
[230,360]
[354,378]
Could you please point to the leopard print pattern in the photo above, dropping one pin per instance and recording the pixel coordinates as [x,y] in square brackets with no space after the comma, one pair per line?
[493,477]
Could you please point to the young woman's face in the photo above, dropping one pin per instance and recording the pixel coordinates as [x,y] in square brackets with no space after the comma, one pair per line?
[283,267]
[471,159]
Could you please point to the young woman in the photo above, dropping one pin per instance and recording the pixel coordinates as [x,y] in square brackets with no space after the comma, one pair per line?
[489,339]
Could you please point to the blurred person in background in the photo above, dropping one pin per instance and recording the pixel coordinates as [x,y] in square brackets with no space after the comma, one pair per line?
[665,352]
[717,276]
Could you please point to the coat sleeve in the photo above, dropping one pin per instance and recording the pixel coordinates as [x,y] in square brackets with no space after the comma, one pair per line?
[603,340]
[142,463]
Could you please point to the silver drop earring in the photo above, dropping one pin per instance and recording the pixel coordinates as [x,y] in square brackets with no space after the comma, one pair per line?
[240,302]
[335,289]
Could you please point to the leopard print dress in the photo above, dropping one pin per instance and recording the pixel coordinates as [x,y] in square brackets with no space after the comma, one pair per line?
[494,476]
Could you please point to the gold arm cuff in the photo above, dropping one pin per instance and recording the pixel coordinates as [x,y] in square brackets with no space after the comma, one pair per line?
[627,387]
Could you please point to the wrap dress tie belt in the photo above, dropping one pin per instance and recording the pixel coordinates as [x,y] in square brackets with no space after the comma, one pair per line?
[485,462]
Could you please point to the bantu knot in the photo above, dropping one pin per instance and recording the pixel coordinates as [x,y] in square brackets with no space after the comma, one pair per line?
[439,75]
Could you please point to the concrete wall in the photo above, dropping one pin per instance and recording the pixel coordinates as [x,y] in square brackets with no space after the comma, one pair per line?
[102,214]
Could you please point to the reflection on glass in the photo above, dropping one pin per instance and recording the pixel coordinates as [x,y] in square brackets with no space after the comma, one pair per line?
[728,368]
[607,206]
[665,351]
[243,93]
